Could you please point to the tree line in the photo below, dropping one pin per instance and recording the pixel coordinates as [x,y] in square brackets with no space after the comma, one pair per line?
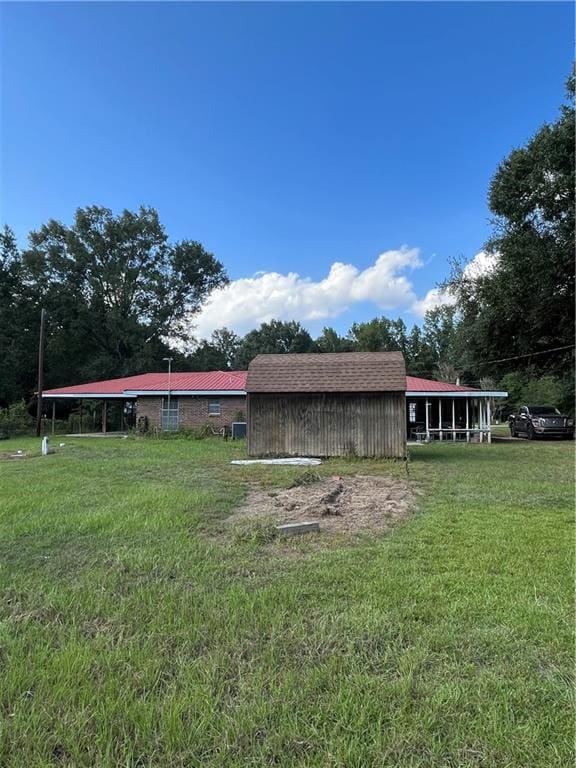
[119,295]
[427,348]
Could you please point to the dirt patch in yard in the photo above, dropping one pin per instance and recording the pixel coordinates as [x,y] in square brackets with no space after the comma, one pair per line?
[354,504]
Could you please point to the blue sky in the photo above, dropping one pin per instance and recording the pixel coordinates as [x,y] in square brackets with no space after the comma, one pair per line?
[286,137]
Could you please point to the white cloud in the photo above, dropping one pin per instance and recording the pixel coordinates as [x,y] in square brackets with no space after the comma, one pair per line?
[435,297]
[482,264]
[246,303]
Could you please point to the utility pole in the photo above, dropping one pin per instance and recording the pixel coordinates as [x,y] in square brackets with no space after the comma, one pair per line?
[40,373]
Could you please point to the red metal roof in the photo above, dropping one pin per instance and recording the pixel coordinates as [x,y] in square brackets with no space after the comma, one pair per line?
[415,384]
[212,381]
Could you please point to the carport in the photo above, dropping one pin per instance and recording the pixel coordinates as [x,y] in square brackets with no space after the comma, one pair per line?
[103,405]
[115,414]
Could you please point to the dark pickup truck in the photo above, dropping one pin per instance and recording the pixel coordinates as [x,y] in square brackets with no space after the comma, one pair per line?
[540,420]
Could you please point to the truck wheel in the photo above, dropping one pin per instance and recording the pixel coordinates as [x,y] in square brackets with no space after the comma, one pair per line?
[513,431]
[530,432]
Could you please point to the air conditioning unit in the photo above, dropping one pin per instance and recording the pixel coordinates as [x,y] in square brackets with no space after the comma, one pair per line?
[238,430]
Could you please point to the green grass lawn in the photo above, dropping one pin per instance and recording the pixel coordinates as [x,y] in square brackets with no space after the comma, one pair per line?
[134,632]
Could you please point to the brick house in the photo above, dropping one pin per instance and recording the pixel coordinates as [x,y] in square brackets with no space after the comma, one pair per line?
[434,410]
[155,400]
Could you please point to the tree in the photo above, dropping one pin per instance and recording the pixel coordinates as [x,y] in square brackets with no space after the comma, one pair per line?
[379,335]
[420,356]
[217,354]
[19,324]
[227,343]
[274,337]
[206,357]
[330,341]
[446,372]
[526,388]
[440,332]
[525,305]
[117,292]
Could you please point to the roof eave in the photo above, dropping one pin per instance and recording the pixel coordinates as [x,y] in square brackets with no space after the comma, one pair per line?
[456,393]
[87,396]
[323,391]
[131,394]
[184,392]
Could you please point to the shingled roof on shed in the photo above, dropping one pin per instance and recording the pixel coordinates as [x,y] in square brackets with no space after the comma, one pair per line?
[328,372]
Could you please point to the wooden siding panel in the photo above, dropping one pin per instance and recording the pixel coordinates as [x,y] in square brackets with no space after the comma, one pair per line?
[327,424]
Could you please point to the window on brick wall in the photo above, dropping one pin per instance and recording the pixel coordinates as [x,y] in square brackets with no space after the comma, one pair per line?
[170,412]
[213,407]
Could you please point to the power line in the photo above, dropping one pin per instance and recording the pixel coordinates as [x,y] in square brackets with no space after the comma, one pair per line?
[530,354]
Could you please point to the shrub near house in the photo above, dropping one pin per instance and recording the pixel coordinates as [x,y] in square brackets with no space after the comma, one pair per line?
[15,420]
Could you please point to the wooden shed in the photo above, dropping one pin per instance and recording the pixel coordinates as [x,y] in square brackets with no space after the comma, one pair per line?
[334,404]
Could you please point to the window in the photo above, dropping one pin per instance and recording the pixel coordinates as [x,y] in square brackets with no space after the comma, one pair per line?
[412,412]
[170,410]
[214,408]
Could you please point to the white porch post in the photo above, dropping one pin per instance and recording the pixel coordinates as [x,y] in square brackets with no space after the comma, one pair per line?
[427,422]
[467,419]
[480,420]
[453,421]
[489,420]
[440,416]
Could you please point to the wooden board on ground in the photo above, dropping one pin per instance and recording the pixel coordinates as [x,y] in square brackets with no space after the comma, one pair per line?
[290,529]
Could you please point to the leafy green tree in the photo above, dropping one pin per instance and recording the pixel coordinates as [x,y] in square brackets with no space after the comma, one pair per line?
[379,335]
[428,351]
[276,337]
[546,390]
[420,356]
[206,357]
[116,291]
[19,325]
[527,388]
[330,341]
[441,334]
[217,354]
[227,343]
[525,305]
[15,420]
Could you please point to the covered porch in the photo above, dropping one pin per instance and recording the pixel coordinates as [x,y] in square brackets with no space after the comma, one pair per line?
[456,416]
[90,415]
